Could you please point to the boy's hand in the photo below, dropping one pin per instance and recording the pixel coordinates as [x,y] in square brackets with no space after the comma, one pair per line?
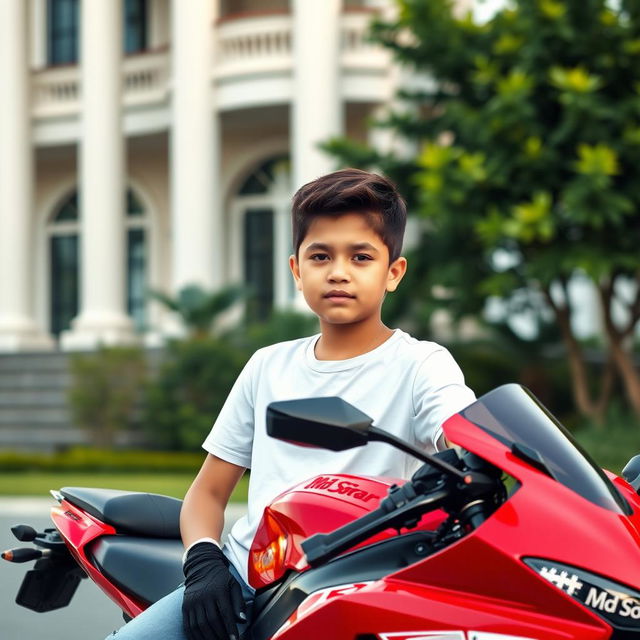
[212,596]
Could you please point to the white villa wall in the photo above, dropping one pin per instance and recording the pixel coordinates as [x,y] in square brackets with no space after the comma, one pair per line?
[251,97]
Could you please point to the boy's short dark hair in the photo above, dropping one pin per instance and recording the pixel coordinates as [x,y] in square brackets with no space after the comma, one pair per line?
[352,191]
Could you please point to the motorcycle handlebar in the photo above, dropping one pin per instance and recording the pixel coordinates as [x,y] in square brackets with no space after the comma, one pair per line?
[404,506]
[324,546]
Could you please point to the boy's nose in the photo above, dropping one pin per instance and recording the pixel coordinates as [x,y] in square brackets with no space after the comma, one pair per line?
[338,272]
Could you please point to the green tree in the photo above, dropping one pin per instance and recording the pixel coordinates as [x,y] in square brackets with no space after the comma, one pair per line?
[529,135]
[196,374]
[190,388]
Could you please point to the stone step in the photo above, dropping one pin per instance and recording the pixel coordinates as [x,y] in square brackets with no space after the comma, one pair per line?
[54,361]
[34,416]
[34,412]
[16,436]
[34,380]
[31,397]
[20,438]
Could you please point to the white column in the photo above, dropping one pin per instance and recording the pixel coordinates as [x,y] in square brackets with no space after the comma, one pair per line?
[102,317]
[317,110]
[158,16]
[18,330]
[38,33]
[196,215]
[282,245]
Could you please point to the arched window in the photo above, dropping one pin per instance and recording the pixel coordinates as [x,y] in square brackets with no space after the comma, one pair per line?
[135,25]
[64,263]
[262,201]
[64,260]
[137,261]
[63,29]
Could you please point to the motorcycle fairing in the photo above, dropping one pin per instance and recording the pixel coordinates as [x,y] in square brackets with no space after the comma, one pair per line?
[79,529]
[388,605]
[321,504]
[282,614]
[511,415]
[272,608]
[543,510]
[533,522]
[317,599]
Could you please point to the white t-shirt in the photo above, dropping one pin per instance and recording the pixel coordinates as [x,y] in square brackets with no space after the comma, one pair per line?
[409,387]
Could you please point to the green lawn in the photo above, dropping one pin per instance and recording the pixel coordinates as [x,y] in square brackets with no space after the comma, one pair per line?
[37,483]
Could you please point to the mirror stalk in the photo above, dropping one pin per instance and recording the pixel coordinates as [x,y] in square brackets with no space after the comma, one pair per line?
[379,435]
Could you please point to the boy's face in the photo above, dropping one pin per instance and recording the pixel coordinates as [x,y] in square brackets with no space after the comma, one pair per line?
[343,270]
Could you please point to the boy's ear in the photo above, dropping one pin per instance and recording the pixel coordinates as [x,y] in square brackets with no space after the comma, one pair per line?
[397,269]
[295,270]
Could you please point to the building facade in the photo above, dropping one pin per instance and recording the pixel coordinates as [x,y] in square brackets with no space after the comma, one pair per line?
[151,144]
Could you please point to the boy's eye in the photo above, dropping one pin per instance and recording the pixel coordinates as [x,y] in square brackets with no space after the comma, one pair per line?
[362,257]
[319,257]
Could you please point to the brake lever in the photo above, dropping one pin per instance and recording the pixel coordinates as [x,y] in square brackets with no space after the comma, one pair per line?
[324,546]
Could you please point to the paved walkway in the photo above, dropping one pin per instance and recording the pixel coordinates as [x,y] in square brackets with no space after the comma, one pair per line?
[25,505]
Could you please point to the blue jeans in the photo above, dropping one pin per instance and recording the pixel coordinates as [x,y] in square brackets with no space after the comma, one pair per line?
[163,619]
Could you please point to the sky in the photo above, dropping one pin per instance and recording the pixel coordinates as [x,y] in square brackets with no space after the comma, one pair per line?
[484,9]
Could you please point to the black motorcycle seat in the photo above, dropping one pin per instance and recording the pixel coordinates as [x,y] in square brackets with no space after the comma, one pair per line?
[141,514]
[146,568]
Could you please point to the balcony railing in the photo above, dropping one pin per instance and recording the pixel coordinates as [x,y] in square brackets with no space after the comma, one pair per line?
[253,45]
[146,78]
[246,46]
[56,91]
[357,52]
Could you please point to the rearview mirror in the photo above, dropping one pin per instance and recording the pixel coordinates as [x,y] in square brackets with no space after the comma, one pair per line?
[631,472]
[328,423]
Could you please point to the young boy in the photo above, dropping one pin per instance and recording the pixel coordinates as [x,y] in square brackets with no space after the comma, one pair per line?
[348,228]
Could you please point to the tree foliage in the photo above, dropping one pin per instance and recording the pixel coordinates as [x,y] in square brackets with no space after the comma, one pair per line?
[196,375]
[105,392]
[526,174]
[197,308]
[189,390]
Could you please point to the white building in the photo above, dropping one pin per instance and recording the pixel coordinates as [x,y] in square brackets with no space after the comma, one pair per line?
[205,113]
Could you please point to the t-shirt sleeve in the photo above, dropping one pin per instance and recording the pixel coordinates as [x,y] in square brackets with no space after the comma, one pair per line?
[439,391]
[231,437]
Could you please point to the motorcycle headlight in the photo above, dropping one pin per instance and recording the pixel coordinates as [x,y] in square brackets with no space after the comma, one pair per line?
[617,604]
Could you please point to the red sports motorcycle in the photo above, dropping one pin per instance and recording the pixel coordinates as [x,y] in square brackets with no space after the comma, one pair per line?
[515,535]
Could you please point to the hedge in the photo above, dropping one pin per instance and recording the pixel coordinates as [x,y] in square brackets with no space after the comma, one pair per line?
[99,460]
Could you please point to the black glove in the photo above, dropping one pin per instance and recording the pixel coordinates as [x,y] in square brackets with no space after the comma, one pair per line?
[212,596]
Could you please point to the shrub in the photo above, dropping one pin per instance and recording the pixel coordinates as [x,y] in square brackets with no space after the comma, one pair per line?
[192,384]
[100,460]
[280,326]
[185,397]
[106,389]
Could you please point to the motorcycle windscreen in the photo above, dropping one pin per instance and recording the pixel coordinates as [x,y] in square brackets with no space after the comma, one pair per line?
[513,415]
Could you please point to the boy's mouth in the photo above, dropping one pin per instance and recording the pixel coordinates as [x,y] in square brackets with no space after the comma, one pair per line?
[338,294]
